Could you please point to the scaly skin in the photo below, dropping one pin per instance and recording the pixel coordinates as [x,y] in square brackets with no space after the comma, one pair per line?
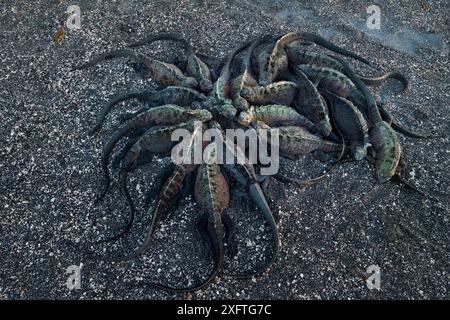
[170,95]
[165,74]
[297,141]
[195,67]
[212,195]
[387,148]
[334,81]
[245,176]
[277,62]
[175,95]
[275,115]
[337,83]
[281,92]
[351,123]
[369,101]
[221,85]
[221,88]
[382,136]
[358,99]
[298,55]
[140,95]
[163,115]
[156,140]
[310,103]
[170,188]
[245,79]
[262,64]
[246,180]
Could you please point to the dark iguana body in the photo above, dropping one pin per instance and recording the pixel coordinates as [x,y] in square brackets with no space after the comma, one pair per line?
[170,95]
[382,136]
[221,88]
[387,149]
[310,103]
[281,92]
[334,81]
[163,115]
[351,123]
[297,141]
[245,176]
[245,79]
[212,195]
[166,195]
[277,62]
[195,67]
[275,115]
[299,55]
[172,186]
[156,140]
[246,179]
[165,74]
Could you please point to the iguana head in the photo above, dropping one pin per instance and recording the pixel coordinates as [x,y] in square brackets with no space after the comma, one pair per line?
[324,127]
[206,85]
[247,93]
[201,114]
[189,82]
[245,118]
[359,152]
[241,104]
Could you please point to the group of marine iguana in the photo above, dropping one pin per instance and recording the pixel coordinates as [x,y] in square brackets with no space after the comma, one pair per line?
[295,83]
